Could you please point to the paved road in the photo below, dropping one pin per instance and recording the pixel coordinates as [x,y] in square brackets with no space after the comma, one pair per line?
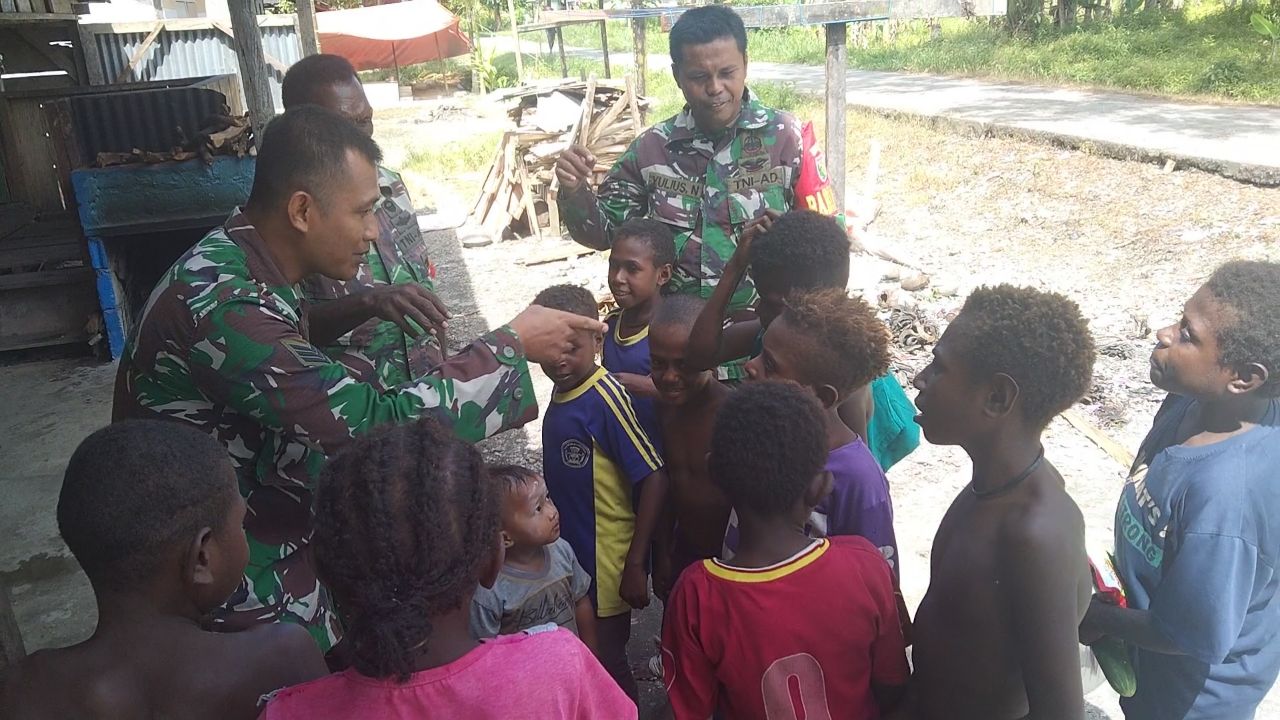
[1239,141]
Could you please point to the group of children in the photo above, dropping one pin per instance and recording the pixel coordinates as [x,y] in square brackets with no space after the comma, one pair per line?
[760,513]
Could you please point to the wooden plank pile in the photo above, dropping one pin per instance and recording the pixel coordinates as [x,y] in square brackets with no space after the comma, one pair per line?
[221,135]
[520,190]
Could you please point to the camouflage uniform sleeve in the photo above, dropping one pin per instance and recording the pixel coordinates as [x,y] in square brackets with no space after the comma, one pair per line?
[252,358]
[591,218]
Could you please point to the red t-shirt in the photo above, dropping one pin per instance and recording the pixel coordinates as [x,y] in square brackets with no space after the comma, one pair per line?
[801,639]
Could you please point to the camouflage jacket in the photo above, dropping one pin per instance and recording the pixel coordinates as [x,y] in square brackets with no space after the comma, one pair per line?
[378,351]
[222,344]
[705,189]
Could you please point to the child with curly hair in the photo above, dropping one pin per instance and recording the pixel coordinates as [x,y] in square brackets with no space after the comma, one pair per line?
[995,636]
[792,626]
[1198,524]
[801,250]
[835,345]
[406,527]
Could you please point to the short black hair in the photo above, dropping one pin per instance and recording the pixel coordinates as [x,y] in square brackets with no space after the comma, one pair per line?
[569,298]
[405,521]
[1038,338]
[1251,292]
[654,234]
[849,344]
[804,250]
[313,74]
[677,311]
[135,490]
[768,443]
[510,477]
[701,25]
[306,149]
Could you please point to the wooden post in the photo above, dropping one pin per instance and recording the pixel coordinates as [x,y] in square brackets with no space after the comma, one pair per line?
[11,647]
[253,65]
[92,61]
[306,10]
[837,62]
[515,33]
[564,64]
[604,42]
[641,53]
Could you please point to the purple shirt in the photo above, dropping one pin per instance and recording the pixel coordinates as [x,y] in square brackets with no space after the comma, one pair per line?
[858,504]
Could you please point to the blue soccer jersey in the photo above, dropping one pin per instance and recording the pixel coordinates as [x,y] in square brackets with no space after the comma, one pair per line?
[631,355]
[594,453]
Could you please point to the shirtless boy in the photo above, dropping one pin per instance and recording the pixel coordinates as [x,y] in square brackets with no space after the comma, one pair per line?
[687,403]
[151,511]
[996,634]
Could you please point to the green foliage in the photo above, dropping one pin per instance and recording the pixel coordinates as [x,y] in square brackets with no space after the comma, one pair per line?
[489,73]
[1268,29]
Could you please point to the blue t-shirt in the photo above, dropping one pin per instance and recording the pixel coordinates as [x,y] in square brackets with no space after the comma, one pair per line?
[594,454]
[1197,539]
[631,355]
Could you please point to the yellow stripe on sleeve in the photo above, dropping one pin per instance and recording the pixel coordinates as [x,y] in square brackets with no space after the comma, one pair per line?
[638,437]
[620,392]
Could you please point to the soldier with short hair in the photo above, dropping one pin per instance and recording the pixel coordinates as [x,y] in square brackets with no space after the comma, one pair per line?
[223,344]
[386,325]
[709,173]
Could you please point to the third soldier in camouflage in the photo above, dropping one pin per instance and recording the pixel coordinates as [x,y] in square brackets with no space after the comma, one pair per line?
[386,324]
[707,173]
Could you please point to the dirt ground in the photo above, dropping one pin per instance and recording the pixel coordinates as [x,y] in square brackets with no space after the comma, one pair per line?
[1127,241]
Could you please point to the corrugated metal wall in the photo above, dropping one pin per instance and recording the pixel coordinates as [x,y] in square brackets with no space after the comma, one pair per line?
[194,53]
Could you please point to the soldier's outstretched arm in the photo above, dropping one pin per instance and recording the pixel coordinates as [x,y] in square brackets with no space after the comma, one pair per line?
[255,360]
[591,218]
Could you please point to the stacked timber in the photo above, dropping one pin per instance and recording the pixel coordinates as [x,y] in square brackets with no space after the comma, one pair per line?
[519,191]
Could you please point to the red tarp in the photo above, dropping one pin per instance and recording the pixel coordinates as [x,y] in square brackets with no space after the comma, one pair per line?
[381,36]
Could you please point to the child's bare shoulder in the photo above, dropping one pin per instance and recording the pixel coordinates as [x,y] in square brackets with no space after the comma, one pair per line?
[67,682]
[280,653]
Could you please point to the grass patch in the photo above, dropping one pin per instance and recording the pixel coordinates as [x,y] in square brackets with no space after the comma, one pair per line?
[1202,50]
[457,156]
[438,71]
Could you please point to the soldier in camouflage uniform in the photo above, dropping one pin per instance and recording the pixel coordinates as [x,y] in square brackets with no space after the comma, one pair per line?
[223,344]
[386,325]
[709,173]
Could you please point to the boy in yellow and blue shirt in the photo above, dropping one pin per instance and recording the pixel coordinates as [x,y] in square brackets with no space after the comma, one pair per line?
[606,476]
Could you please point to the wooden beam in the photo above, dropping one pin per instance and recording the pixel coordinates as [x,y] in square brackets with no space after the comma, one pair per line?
[515,33]
[639,50]
[140,52]
[604,43]
[92,60]
[837,64]
[253,66]
[175,24]
[564,64]
[25,18]
[1118,452]
[306,11]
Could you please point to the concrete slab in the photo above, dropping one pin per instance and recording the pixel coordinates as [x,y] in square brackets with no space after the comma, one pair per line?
[49,406]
